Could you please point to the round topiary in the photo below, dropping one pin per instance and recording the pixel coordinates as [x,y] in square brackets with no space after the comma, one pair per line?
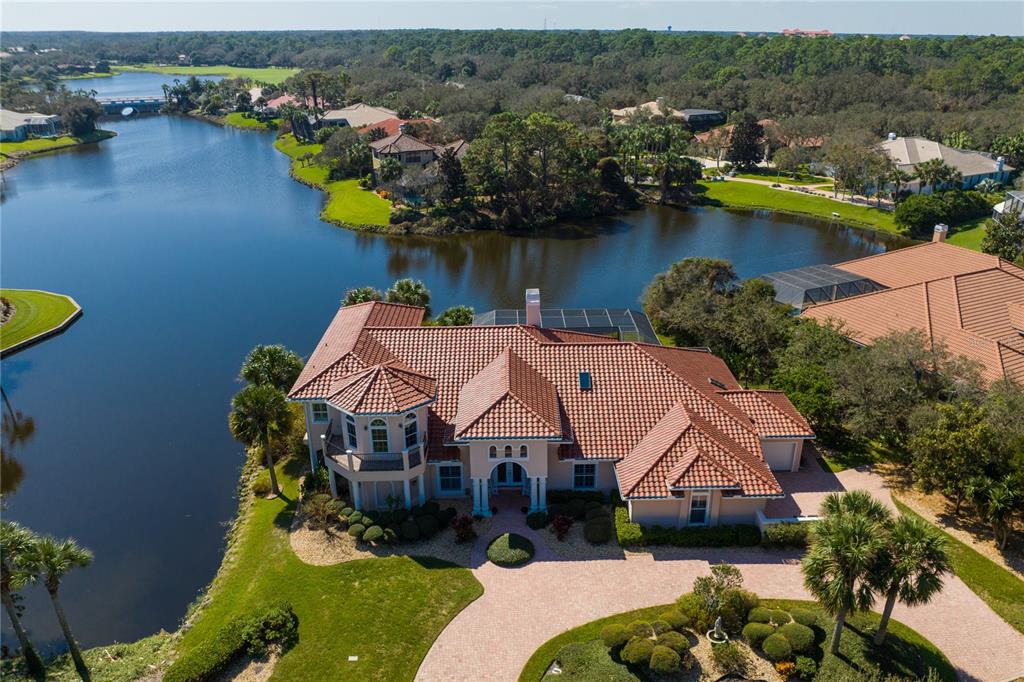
[759,614]
[597,512]
[410,531]
[660,626]
[537,520]
[598,531]
[399,515]
[615,636]
[776,648]
[756,633]
[373,534]
[576,508]
[803,617]
[356,530]
[676,618]
[427,526]
[556,510]
[664,661]
[676,641]
[801,637]
[368,521]
[637,651]
[446,516]
[510,549]
[640,628]
[347,511]
[355,517]
[780,617]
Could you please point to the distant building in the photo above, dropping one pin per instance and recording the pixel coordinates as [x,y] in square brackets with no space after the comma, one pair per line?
[409,150]
[357,116]
[799,32]
[703,118]
[907,152]
[653,108]
[392,126]
[18,125]
[1014,202]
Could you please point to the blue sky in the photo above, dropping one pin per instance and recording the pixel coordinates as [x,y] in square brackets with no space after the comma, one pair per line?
[841,16]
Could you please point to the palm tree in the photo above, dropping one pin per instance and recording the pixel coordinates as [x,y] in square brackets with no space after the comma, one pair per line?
[54,559]
[935,172]
[273,365]
[409,292]
[16,544]
[910,567]
[898,177]
[844,547]
[390,170]
[258,413]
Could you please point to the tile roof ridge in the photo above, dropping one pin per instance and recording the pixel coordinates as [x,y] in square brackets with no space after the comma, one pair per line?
[739,452]
[680,404]
[922,245]
[519,399]
[928,310]
[710,458]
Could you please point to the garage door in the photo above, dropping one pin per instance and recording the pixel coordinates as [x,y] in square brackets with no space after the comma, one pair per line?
[779,456]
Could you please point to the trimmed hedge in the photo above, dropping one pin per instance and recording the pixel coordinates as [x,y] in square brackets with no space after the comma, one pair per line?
[664,660]
[598,531]
[563,496]
[639,628]
[660,627]
[427,526]
[776,648]
[510,549]
[634,535]
[615,636]
[409,530]
[628,533]
[800,637]
[637,651]
[787,534]
[676,619]
[356,530]
[373,534]
[761,614]
[537,520]
[676,641]
[755,632]
[803,617]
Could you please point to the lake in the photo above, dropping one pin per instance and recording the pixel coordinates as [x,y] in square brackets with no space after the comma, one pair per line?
[187,244]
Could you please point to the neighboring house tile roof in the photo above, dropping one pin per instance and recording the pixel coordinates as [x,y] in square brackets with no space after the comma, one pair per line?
[907,152]
[518,381]
[772,413]
[387,388]
[359,115]
[392,126]
[400,143]
[967,300]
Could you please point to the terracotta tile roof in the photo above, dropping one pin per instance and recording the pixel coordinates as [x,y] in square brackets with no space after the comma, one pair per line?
[400,143]
[970,310]
[506,381]
[772,413]
[392,126]
[389,388]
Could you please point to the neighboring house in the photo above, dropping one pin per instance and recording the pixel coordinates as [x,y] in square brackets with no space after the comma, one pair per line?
[392,126]
[412,151]
[19,125]
[907,152]
[970,301]
[357,116]
[281,100]
[802,33]
[653,108]
[770,127]
[398,410]
[699,119]
[1014,201]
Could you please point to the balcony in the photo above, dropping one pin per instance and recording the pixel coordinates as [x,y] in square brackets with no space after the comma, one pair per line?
[407,460]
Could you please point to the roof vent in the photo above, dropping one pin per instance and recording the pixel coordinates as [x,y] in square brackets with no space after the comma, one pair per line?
[717,383]
[586,382]
[892,136]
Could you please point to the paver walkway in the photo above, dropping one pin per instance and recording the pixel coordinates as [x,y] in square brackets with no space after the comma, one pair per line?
[522,608]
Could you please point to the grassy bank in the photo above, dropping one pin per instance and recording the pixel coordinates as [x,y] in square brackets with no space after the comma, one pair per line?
[969,235]
[771,175]
[386,611]
[997,587]
[36,312]
[905,652]
[267,74]
[114,663]
[237,119]
[40,145]
[347,204]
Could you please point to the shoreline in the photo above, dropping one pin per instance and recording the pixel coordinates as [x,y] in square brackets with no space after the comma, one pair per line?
[10,159]
[53,330]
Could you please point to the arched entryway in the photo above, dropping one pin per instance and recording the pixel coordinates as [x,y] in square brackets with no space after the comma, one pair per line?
[509,475]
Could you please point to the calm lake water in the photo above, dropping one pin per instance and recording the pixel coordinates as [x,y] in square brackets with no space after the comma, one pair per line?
[187,244]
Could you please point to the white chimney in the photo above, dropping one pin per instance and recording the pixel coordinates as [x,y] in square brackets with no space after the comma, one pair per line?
[1000,160]
[941,230]
[892,136]
[533,307]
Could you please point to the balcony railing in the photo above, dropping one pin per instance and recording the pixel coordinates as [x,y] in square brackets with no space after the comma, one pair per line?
[336,448]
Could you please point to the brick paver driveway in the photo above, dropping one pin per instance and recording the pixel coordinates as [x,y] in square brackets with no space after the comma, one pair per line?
[524,607]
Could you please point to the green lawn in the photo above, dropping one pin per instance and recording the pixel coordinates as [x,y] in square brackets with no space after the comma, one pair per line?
[968,235]
[113,663]
[772,175]
[237,119]
[997,587]
[852,455]
[267,74]
[347,202]
[386,611]
[35,312]
[904,653]
[38,145]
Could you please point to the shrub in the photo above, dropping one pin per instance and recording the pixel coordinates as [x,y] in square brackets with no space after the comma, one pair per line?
[311,484]
[676,619]
[780,617]
[786,535]
[730,658]
[615,636]
[427,526]
[676,641]
[735,602]
[598,531]
[919,213]
[637,651]
[803,617]
[356,530]
[446,516]
[806,668]
[660,626]
[373,534]
[276,624]
[390,535]
[555,510]
[785,669]
[756,633]
[776,648]
[561,525]
[640,628]
[355,517]
[368,520]
[592,504]
[597,512]
[629,534]
[759,615]
[510,549]
[801,637]
[664,660]
[576,508]
[739,535]
[463,527]
[431,508]
[692,608]
[537,520]
[261,486]
[409,530]
[319,511]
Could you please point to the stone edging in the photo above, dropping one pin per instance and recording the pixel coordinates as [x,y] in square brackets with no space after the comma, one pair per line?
[45,334]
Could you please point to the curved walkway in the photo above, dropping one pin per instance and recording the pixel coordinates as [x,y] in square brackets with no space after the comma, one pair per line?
[522,608]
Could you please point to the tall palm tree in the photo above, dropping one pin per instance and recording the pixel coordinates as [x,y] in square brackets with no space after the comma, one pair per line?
[16,544]
[844,547]
[54,559]
[898,177]
[935,173]
[273,365]
[258,413]
[910,567]
[409,292]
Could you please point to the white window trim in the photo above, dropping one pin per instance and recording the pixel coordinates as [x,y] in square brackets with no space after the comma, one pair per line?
[579,464]
[524,452]
[440,492]
[387,436]
[413,420]
[351,435]
[326,417]
[707,509]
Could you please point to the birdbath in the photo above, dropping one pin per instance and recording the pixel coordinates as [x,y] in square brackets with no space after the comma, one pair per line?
[717,635]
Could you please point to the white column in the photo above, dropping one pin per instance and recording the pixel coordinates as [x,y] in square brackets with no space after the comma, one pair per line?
[485,500]
[309,437]
[422,486]
[543,493]
[407,493]
[475,484]
[534,483]
[334,483]
[354,487]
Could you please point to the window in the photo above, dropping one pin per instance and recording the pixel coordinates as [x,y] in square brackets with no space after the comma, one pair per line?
[584,476]
[379,435]
[350,427]
[449,478]
[411,431]
[492,452]
[698,509]
[522,452]
[508,451]
[320,412]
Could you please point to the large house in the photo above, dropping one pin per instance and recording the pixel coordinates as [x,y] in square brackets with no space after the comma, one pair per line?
[695,118]
[357,116]
[907,152]
[412,151]
[398,410]
[19,125]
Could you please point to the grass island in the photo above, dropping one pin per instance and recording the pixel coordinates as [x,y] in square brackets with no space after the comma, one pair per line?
[43,145]
[36,316]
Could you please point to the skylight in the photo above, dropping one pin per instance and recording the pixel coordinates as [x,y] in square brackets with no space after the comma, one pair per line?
[586,383]
[717,383]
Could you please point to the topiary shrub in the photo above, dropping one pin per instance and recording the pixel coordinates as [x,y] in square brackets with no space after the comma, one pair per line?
[664,661]
[806,668]
[780,617]
[759,614]
[615,636]
[629,534]
[755,633]
[640,628]
[776,648]
[637,651]
[729,658]
[368,520]
[431,508]
[510,549]
[346,511]
[801,637]
[598,531]
[676,619]
[676,641]
[373,534]
[576,508]
[596,512]
[593,504]
[803,617]
[355,517]
[660,627]
[561,525]
[390,535]
[537,520]
[409,530]
[446,516]
[356,530]
[427,526]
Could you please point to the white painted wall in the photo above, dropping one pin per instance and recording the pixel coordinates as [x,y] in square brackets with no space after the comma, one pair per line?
[782,455]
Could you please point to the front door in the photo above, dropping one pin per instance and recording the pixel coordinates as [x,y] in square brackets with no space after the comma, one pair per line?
[508,475]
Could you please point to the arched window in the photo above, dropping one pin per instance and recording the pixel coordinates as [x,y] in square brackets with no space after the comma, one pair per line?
[508,450]
[492,452]
[379,435]
[522,452]
[411,430]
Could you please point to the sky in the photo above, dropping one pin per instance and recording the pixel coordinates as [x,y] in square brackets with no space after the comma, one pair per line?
[944,17]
